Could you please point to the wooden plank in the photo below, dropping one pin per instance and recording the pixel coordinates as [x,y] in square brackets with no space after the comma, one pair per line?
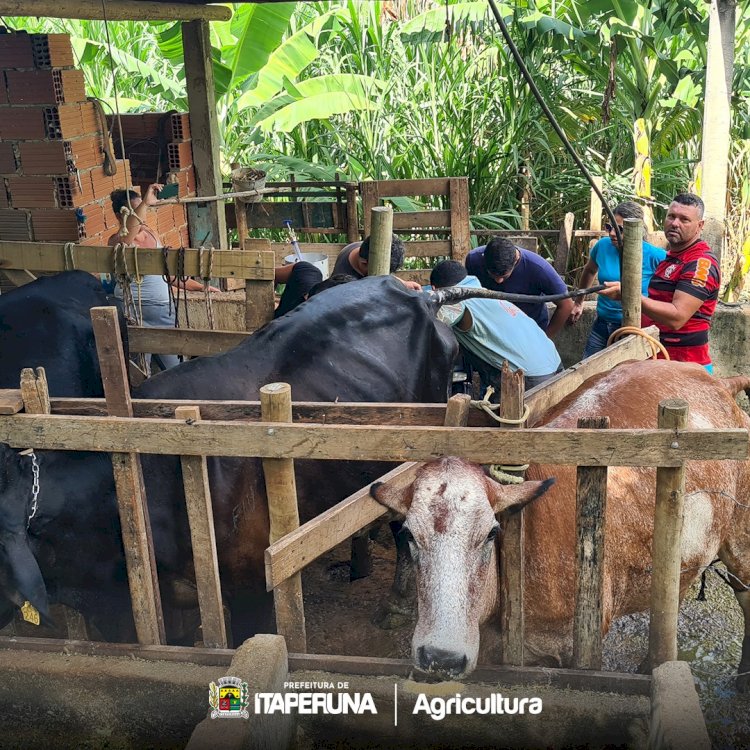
[421,219]
[19,278]
[122,10]
[48,256]
[322,533]
[552,391]
[632,272]
[512,557]
[283,514]
[259,303]
[564,242]
[381,233]
[417,188]
[182,341]
[203,539]
[352,220]
[302,411]
[459,218]
[421,276]
[427,248]
[666,546]
[591,505]
[10,401]
[595,207]
[642,447]
[204,128]
[34,391]
[131,495]
[306,216]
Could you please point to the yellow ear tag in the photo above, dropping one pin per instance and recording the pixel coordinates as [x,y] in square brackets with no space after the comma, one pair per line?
[30,613]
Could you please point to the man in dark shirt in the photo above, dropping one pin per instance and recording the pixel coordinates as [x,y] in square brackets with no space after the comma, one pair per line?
[502,266]
[353,259]
[684,289]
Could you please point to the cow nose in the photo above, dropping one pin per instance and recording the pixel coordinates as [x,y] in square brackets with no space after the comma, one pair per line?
[448,663]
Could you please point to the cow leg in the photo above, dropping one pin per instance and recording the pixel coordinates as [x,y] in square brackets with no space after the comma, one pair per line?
[251,612]
[743,672]
[398,609]
[361,559]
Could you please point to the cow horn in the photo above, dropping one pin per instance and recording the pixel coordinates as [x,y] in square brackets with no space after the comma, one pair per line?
[452,294]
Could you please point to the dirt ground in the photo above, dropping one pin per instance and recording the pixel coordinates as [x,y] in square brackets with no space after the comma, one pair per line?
[338,615]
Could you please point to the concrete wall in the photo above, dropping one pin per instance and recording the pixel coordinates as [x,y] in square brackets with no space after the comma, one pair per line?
[728,339]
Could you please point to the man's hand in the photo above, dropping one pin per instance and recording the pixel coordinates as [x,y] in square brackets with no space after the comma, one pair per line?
[575,316]
[151,198]
[613,290]
[415,286]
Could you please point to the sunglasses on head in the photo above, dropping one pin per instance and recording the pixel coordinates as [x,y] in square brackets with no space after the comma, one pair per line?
[610,228]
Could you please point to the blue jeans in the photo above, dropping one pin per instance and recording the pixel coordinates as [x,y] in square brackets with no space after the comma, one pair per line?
[600,332]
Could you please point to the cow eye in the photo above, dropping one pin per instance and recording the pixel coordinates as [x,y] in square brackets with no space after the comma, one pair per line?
[493,533]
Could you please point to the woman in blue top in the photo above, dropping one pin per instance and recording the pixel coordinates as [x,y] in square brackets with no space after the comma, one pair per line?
[605,262]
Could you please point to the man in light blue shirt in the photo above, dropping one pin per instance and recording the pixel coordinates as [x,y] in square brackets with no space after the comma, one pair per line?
[604,262]
[492,331]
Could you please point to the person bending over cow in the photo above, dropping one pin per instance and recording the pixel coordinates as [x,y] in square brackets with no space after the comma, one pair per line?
[353,260]
[684,289]
[303,280]
[152,296]
[604,261]
[502,266]
[491,331]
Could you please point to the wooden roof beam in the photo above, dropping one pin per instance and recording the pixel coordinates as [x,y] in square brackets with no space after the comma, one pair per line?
[117,10]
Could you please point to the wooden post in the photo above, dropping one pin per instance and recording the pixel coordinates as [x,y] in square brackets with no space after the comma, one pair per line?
[201,519]
[352,220]
[460,229]
[632,272]
[204,128]
[595,207]
[240,212]
[564,242]
[512,548]
[131,495]
[665,553]
[379,262]
[591,504]
[281,490]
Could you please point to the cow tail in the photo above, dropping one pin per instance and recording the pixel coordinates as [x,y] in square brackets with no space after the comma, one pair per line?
[736,384]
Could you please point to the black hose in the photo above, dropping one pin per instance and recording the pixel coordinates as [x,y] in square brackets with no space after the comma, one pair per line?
[548,113]
[451,294]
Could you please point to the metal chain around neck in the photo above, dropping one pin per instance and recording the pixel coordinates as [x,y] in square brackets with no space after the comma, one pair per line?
[34,485]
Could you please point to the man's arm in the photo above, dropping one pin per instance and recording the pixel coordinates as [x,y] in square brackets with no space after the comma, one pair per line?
[562,313]
[587,278]
[672,314]
[134,221]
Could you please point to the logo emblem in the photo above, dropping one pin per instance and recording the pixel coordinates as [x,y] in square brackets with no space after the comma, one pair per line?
[229,699]
[670,270]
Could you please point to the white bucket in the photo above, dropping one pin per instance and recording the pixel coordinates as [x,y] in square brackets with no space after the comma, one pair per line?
[319,260]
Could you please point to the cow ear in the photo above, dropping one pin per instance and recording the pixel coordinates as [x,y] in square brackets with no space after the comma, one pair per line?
[394,496]
[513,497]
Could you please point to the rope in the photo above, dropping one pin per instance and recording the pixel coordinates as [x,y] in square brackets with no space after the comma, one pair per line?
[138,279]
[206,278]
[487,406]
[656,345]
[181,278]
[110,163]
[69,258]
[168,278]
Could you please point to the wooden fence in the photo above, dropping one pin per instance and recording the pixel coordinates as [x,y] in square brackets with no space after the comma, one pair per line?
[383,432]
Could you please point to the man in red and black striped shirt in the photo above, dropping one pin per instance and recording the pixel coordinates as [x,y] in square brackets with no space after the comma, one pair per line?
[684,289]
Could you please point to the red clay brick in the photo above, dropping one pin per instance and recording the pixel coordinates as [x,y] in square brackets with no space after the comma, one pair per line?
[14,225]
[32,192]
[52,50]
[70,121]
[45,86]
[185,179]
[60,157]
[7,158]
[180,155]
[17,123]
[54,225]
[4,203]
[15,51]
[185,237]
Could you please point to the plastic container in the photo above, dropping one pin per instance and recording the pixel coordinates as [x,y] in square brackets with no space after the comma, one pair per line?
[317,259]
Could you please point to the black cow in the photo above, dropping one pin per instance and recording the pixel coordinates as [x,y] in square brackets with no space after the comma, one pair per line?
[372,340]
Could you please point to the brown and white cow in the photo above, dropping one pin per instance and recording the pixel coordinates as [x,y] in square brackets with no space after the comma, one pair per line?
[450,522]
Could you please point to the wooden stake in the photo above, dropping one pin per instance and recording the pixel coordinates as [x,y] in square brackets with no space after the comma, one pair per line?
[201,519]
[34,391]
[665,552]
[595,208]
[352,220]
[281,490]
[131,495]
[512,547]
[564,242]
[591,503]
[460,227]
[379,263]
[632,272]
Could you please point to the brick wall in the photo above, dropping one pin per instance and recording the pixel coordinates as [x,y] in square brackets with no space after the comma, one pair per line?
[159,149]
[53,185]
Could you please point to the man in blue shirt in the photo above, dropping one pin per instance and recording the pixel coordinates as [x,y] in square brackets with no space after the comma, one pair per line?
[492,331]
[604,261]
[502,266]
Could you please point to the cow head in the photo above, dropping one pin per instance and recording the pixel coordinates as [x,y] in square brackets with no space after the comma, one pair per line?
[451,528]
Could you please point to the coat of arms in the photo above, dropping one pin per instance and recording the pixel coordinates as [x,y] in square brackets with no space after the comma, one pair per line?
[229,698]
